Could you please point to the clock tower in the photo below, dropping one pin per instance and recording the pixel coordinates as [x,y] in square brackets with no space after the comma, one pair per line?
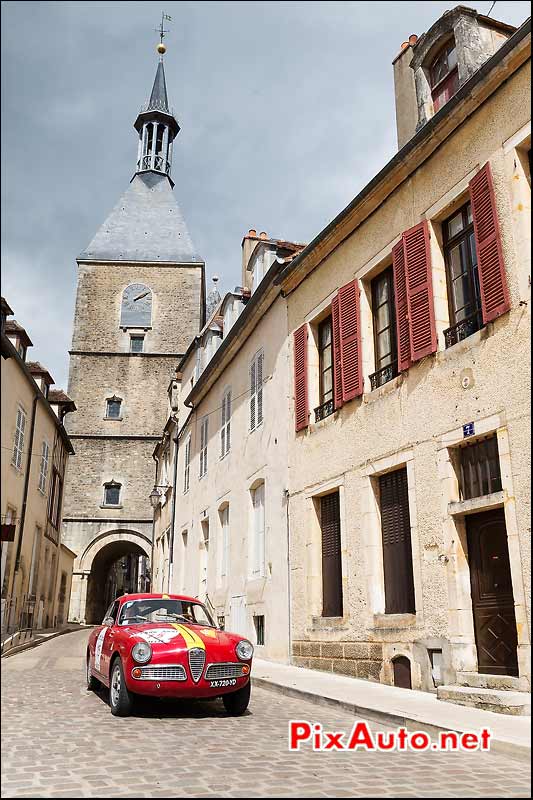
[139,303]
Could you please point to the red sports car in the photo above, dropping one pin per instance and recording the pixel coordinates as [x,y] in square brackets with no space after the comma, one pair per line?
[165,645]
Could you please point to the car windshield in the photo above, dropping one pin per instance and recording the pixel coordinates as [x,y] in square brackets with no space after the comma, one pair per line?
[137,612]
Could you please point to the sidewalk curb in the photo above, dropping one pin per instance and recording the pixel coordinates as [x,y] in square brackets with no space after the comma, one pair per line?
[503,746]
[13,651]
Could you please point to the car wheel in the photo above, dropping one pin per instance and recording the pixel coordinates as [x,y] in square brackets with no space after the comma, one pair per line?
[120,699]
[92,683]
[236,703]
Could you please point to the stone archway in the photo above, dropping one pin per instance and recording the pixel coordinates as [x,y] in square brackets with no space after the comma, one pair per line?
[98,566]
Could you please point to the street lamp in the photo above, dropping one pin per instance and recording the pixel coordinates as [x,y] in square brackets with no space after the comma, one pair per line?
[155,495]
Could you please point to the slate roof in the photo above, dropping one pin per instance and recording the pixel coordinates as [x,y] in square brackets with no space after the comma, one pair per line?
[158,98]
[145,225]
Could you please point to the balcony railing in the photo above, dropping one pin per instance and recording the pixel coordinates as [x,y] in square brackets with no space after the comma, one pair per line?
[323,411]
[384,375]
[461,330]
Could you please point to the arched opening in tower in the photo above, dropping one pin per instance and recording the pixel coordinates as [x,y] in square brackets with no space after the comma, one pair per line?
[118,568]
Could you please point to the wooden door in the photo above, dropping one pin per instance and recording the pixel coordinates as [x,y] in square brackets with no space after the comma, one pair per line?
[492,593]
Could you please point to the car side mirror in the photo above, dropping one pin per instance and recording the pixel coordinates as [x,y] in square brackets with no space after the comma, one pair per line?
[108,621]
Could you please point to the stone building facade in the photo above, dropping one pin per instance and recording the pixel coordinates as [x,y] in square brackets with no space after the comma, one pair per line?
[409,485]
[36,565]
[140,301]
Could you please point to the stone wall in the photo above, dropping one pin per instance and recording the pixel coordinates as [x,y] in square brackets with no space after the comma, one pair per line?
[357,659]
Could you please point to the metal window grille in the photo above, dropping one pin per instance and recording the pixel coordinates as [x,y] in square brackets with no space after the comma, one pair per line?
[479,469]
[259,624]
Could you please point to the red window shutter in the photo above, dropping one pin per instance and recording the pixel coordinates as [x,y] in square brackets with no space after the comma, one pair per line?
[419,291]
[301,410]
[491,269]
[350,341]
[402,313]
[336,335]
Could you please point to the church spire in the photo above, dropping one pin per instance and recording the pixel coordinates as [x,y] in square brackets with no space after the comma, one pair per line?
[156,125]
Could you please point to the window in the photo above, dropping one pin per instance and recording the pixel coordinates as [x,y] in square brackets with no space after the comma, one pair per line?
[225,426]
[136,309]
[204,427]
[18,447]
[330,523]
[43,469]
[136,344]
[259,625]
[479,469]
[443,75]
[256,390]
[384,323]
[224,542]
[34,568]
[464,299]
[187,464]
[258,541]
[112,494]
[113,408]
[325,368]
[54,499]
[52,577]
[396,540]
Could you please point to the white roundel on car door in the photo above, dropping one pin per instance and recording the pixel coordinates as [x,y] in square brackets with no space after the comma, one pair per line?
[98,648]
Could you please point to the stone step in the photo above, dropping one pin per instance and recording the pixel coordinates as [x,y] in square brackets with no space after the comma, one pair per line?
[498,700]
[480,681]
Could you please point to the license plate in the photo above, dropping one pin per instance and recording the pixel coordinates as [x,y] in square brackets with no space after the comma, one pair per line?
[226,682]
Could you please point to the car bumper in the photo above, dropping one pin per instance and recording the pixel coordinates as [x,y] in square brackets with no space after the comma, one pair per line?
[185,689]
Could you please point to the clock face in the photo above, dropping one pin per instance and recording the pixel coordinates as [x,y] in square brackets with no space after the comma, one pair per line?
[136,309]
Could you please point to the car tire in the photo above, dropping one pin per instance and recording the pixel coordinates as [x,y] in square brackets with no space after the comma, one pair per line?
[120,698]
[236,703]
[93,684]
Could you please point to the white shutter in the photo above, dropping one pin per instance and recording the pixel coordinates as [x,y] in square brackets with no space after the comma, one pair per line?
[223,428]
[259,373]
[258,567]
[252,396]
[228,420]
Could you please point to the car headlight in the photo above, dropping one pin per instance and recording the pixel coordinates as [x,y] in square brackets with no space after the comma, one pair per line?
[141,652]
[244,650]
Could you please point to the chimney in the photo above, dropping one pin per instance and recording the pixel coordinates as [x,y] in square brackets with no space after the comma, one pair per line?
[405,92]
[249,244]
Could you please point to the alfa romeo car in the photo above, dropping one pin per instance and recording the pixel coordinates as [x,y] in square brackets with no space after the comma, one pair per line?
[164,645]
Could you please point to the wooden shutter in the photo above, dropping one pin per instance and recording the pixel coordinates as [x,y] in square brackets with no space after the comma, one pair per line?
[337,371]
[253,398]
[228,421]
[396,536]
[259,386]
[417,256]
[223,427]
[350,341]
[402,311]
[301,405]
[331,555]
[491,268]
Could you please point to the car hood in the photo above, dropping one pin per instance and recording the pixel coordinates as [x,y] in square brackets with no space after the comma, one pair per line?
[179,636]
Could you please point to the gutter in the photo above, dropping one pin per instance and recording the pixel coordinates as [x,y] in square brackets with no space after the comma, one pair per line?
[426,132]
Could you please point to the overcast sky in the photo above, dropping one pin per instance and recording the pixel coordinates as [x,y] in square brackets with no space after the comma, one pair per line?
[286,110]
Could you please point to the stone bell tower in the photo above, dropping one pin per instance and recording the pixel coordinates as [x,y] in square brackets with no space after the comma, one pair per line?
[140,300]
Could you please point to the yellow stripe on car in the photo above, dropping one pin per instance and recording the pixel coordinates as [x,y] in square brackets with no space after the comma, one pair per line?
[190,637]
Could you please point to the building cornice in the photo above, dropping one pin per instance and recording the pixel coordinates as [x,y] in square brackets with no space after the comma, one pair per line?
[126,437]
[128,354]
[472,94]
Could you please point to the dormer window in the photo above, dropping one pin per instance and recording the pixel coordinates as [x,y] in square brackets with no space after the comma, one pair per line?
[443,75]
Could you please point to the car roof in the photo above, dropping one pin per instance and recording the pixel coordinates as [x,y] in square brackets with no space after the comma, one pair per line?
[158,596]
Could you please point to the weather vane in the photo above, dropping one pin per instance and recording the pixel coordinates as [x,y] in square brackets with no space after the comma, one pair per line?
[161,49]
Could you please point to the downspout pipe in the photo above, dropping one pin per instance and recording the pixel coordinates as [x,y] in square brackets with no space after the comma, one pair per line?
[152,566]
[173,508]
[289,593]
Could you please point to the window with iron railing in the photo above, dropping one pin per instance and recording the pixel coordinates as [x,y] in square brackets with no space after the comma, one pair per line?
[325,367]
[464,297]
[384,324]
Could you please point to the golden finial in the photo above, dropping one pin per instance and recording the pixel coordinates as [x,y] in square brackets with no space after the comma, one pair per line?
[161,49]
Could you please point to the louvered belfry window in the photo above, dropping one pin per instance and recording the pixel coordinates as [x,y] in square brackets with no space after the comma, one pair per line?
[330,523]
[396,538]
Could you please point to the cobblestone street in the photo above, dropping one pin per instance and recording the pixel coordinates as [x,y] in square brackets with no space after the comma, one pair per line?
[59,740]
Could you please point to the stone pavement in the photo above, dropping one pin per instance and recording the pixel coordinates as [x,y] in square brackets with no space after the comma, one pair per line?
[58,740]
[390,705]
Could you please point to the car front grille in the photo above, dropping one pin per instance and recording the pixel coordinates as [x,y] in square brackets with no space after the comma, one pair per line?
[196,663]
[170,672]
[218,671]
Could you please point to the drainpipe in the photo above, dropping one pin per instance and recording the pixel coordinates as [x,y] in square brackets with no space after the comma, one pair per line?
[152,568]
[289,601]
[173,508]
